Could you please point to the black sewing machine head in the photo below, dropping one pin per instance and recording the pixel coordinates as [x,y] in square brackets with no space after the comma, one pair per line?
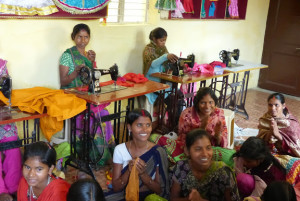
[92,77]
[178,67]
[226,56]
[6,85]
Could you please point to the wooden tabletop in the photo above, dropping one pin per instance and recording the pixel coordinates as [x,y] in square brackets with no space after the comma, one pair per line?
[129,92]
[16,115]
[188,78]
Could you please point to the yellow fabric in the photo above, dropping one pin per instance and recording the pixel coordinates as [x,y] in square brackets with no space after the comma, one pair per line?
[251,198]
[58,105]
[132,189]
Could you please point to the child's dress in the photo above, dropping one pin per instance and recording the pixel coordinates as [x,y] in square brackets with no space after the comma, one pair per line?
[11,167]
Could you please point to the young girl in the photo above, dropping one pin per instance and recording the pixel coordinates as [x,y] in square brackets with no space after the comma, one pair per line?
[199,178]
[255,158]
[151,165]
[38,183]
[85,190]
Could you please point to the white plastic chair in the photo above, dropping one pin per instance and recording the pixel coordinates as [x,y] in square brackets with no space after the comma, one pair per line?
[63,135]
[229,118]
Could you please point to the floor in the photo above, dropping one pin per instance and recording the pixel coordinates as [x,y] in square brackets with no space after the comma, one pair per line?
[256,106]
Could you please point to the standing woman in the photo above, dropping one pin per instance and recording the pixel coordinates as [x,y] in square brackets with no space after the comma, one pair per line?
[279,128]
[151,164]
[71,61]
[154,56]
[74,58]
[204,114]
[38,182]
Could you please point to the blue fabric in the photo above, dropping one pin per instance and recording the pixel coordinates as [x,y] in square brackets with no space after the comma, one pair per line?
[212,9]
[87,3]
[156,66]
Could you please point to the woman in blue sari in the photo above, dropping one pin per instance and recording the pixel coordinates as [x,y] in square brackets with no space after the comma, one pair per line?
[151,160]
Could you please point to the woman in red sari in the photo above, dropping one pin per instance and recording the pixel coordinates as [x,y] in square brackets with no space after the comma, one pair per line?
[279,128]
[38,182]
[204,114]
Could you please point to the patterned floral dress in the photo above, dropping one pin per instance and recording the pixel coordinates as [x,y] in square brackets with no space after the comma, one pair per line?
[211,186]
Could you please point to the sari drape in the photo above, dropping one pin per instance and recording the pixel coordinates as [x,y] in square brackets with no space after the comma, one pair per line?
[288,127]
[152,52]
[211,186]
[155,157]
[56,190]
[78,59]
[190,120]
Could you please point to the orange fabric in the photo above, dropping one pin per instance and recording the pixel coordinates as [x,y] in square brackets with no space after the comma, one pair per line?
[55,191]
[132,189]
[58,105]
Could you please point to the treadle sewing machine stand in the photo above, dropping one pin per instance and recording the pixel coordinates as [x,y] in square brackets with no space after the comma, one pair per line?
[82,160]
[238,88]
[15,115]
[189,79]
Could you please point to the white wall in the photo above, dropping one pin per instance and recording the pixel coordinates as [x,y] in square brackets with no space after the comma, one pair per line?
[33,47]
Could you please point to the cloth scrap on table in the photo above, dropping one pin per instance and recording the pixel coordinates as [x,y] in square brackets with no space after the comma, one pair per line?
[58,105]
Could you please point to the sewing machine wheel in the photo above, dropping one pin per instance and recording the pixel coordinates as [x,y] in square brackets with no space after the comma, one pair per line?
[223,55]
[85,75]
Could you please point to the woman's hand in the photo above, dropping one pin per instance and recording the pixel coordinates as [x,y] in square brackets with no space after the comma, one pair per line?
[172,57]
[78,68]
[275,130]
[218,132]
[5,197]
[195,196]
[141,166]
[130,165]
[91,55]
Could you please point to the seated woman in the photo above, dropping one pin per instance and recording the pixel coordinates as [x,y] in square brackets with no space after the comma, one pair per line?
[204,114]
[38,182]
[254,158]
[279,128]
[276,191]
[199,178]
[151,165]
[85,190]
[155,55]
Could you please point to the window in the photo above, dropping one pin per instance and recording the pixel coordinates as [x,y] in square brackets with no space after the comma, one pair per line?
[127,11]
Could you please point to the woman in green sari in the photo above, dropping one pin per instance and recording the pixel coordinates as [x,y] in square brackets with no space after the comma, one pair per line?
[74,58]
[71,61]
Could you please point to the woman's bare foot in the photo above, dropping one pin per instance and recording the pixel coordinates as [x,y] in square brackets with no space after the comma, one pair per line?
[5,197]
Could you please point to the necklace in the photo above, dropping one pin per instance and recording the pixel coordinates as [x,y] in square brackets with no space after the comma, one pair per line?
[30,192]
[147,147]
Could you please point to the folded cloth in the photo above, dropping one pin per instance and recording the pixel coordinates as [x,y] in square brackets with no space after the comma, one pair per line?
[218,63]
[132,189]
[136,78]
[58,105]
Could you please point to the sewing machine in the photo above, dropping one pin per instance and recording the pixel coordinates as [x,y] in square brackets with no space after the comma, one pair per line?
[226,56]
[177,68]
[92,77]
[6,87]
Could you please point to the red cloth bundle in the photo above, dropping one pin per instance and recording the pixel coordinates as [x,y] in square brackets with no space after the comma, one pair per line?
[136,78]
